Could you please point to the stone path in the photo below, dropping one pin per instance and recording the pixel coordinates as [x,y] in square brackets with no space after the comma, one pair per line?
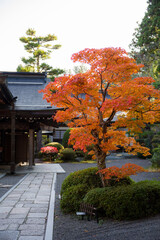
[27,211]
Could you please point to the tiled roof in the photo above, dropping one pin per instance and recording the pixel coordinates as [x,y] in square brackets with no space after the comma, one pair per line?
[25,87]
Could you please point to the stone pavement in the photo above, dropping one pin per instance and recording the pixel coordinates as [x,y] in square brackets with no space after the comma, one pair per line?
[40,167]
[27,210]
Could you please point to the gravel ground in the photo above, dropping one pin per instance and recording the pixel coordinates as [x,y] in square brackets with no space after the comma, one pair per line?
[69,227]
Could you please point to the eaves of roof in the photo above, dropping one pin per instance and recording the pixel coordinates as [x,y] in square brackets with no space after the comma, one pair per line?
[6,97]
[24,74]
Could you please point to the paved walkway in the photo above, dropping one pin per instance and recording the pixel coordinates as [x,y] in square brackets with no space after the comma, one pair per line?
[27,210]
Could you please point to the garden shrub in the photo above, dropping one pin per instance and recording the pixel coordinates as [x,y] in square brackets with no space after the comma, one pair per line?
[90,177]
[49,153]
[56,144]
[87,155]
[73,195]
[156,157]
[66,138]
[121,182]
[86,176]
[67,154]
[79,153]
[93,197]
[134,201]
[156,136]
[72,198]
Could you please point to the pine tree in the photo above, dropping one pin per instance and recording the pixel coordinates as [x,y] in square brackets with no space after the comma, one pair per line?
[40,49]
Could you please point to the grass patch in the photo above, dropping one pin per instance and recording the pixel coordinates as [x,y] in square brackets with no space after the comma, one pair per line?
[153,169]
[87,161]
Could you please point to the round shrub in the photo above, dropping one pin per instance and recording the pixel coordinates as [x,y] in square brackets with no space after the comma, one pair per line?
[72,198]
[86,176]
[121,182]
[131,202]
[55,144]
[93,197]
[79,153]
[67,154]
[66,138]
[156,157]
[49,153]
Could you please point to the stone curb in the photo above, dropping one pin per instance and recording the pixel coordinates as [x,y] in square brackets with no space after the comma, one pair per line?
[50,219]
[2,175]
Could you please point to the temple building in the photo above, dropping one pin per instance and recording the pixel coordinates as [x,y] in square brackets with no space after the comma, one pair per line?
[24,114]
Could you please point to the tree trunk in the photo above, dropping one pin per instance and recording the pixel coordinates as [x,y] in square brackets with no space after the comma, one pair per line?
[100,157]
[38,68]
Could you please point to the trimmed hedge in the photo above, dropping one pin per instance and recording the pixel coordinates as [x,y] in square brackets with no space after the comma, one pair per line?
[86,176]
[55,144]
[72,197]
[67,155]
[93,197]
[156,157]
[90,177]
[79,153]
[121,182]
[134,201]
[66,138]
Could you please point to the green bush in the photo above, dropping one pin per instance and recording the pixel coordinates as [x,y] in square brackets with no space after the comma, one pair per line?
[79,153]
[66,138]
[88,156]
[93,198]
[156,157]
[145,139]
[127,202]
[67,154]
[121,182]
[72,198]
[90,177]
[56,144]
[86,176]
[156,138]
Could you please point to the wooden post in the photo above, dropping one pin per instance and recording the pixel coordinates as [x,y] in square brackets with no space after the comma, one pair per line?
[31,147]
[13,145]
[39,140]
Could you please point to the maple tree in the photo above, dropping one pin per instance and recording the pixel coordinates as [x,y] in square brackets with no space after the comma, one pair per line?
[117,173]
[97,104]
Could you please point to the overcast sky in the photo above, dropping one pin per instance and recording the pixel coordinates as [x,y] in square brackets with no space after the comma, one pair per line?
[78,24]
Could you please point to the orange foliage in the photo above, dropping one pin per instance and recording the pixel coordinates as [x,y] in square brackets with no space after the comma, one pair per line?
[117,173]
[98,103]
